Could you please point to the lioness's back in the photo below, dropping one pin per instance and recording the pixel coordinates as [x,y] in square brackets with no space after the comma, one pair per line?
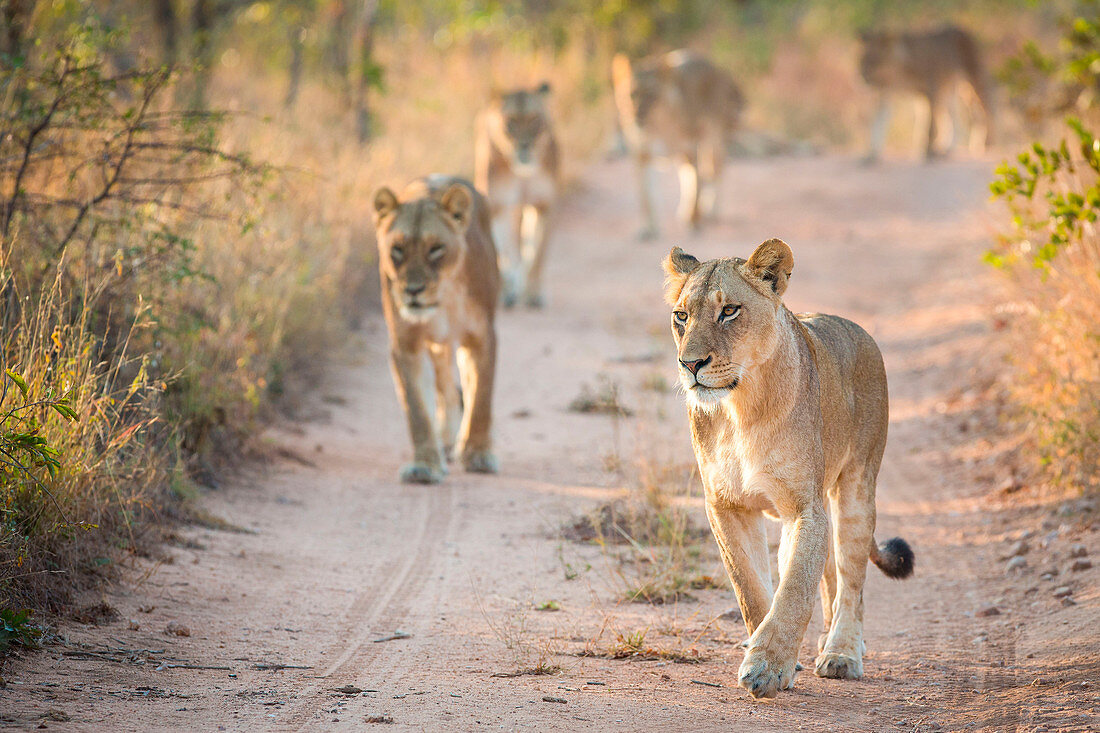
[853,378]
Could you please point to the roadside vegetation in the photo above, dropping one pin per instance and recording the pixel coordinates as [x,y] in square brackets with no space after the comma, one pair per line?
[184,223]
[1051,252]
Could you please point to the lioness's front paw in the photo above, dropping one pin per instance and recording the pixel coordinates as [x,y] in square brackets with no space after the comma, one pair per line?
[480,462]
[763,674]
[838,666]
[419,472]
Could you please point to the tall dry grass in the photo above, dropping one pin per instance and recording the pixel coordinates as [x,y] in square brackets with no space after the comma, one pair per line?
[1052,254]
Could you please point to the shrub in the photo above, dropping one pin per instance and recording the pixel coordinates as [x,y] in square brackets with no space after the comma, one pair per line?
[1052,251]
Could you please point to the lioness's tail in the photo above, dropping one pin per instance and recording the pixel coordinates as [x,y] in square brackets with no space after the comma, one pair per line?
[894,557]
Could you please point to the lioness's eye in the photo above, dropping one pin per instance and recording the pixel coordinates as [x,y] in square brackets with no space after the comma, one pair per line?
[436,252]
[730,311]
[680,316]
[397,255]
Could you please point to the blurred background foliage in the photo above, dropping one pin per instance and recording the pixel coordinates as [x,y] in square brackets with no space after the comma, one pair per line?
[184,188]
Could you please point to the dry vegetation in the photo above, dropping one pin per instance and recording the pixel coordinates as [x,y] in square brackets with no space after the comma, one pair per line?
[1052,254]
[169,295]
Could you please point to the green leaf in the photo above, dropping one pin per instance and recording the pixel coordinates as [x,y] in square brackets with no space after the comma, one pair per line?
[19,382]
[65,411]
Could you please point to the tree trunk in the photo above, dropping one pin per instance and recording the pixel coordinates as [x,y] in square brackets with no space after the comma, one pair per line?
[364,73]
[164,15]
[16,16]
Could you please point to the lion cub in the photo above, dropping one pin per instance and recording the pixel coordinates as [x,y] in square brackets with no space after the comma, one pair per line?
[940,65]
[788,415]
[439,294]
[518,168]
[683,106]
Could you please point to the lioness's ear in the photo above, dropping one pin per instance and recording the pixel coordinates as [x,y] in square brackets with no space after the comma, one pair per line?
[773,263]
[385,202]
[543,89]
[620,69]
[678,265]
[456,201]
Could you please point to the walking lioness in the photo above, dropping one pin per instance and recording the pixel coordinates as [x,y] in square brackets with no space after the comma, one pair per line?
[518,168]
[439,294]
[942,66]
[787,413]
[683,106]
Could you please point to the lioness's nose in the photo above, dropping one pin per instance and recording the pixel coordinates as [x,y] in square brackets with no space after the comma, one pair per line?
[696,365]
[417,289]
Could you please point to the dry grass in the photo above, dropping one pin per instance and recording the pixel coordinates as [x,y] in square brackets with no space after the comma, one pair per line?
[602,400]
[1052,255]
[633,646]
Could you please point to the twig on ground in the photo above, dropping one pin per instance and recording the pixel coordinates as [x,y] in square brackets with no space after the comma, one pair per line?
[277,666]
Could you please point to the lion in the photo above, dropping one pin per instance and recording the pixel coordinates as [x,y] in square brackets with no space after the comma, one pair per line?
[944,66]
[681,105]
[788,414]
[518,168]
[440,287]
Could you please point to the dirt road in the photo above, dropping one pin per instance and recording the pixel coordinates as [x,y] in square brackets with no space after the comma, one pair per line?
[339,556]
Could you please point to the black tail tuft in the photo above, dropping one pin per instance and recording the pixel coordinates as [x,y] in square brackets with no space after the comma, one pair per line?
[894,557]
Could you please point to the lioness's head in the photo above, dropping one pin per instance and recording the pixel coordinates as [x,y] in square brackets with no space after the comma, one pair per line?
[521,125]
[883,59]
[637,87]
[725,318]
[421,240]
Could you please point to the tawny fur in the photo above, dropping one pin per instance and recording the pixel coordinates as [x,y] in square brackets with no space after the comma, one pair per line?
[518,167]
[440,287]
[943,66]
[682,106]
[788,420]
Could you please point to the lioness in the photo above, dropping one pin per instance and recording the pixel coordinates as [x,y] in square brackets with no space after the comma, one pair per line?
[518,168]
[440,286]
[940,65]
[787,413]
[683,106]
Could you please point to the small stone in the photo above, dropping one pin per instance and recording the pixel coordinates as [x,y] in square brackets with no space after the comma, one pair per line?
[177,629]
[135,625]
[985,611]
[1018,549]
[1067,601]
[1063,591]
[1080,564]
[1016,564]
[1078,550]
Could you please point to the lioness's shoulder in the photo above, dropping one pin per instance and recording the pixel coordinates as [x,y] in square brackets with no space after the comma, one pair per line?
[840,339]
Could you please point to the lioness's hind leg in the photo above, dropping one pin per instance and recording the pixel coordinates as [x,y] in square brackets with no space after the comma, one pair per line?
[852,506]
[828,595]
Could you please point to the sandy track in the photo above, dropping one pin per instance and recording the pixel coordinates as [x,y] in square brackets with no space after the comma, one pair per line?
[341,555]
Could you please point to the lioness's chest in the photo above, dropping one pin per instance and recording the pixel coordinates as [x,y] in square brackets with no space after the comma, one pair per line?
[737,470]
